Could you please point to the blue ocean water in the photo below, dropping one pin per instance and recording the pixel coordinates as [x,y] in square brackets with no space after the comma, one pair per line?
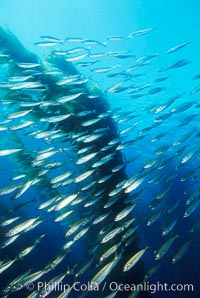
[173,23]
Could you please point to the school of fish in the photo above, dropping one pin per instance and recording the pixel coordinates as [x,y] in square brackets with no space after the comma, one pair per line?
[90,159]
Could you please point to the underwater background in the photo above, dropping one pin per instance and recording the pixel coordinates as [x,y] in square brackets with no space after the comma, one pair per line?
[150,90]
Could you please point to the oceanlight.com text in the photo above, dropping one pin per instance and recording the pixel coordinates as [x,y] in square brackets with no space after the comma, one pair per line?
[151,287]
[112,286]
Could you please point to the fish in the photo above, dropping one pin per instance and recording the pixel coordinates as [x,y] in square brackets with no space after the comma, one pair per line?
[55,118]
[11,284]
[65,201]
[9,151]
[93,137]
[116,38]
[109,252]
[196,77]
[84,268]
[60,177]
[46,203]
[195,90]
[90,122]
[117,88]
[83,176]
[168,228]
[130,240]
[191,208]
[147,58]
[181,252]
[111,235]
[178,47]
[28,249]
[21,227]
[73,39]
[164,247]
[28,65]
[86,63]
[8,241]
[130,232]
[22,125]
[86,158]
[9,189]
[161,79]
[189,155]
[45,155]
[104,272]
[105,70]
[136,66]
[93,42]
[18,177]
[134,259]
[67,80]
[19,114]
[68,98]
[9,221]
[76,226]
[26,85]
[156,90]
[134,185]
[46,43]
[5,265]
[63,216]
[140,32]
[154,217]
[26,280]
[51,38]
[80,234]
[100,218]
[195,226]
[138,89]
[124,213]
[76,58]
[177,64]
[24,188]
[121,55]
